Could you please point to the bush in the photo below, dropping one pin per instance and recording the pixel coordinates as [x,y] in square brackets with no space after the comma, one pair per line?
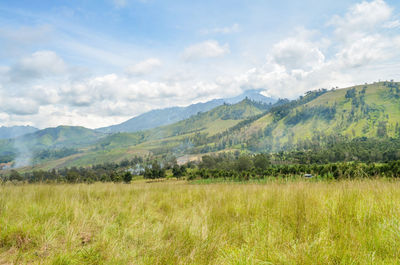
[127,177]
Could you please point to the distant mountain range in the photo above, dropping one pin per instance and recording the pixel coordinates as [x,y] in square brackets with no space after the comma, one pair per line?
[160,117]
[16,131]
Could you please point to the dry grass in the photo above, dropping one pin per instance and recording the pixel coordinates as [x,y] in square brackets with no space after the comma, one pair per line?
[355,222]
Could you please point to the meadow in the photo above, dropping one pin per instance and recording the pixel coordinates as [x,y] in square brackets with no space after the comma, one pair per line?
[176,222]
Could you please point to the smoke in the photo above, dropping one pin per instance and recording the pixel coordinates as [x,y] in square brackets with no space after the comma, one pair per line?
[183,148]
[181,151]
[24,154]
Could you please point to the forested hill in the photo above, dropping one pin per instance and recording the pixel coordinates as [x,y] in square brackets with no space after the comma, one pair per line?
[207,123]
[161,117]
[320,121]
[371,111]
[49,143]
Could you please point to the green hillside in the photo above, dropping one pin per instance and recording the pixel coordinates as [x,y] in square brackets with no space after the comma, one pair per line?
[371,111]
[161,117]
[48,144]
[210,123]
[175,138]
[61,136]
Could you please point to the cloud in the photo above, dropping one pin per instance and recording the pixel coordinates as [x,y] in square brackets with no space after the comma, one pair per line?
[392,24]
[42,89]
[17,37]
[358,52]
[295,53]
[367,50]
[223,30]
[206,49]
[38,65]
[18,105]
[364,16]
[144,67]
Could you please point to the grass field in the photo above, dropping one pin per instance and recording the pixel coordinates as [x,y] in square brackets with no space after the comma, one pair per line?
[350,222]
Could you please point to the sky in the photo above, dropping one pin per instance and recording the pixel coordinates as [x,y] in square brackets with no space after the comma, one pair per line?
[97,63]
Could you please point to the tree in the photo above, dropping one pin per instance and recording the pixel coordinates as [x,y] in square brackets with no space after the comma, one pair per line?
[382,129]
[115,177]
[154,171]
[124,163]
[148,173]
[208,161]
[127,178]
[244,163]
[261,161]
[72,176]
[178,171]
[351,93]
[14,175]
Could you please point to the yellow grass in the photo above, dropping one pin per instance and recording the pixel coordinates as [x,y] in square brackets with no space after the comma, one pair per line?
[352,222]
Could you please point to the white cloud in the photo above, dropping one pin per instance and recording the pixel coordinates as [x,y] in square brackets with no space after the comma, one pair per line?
[392,24]
[369,49]
[206,49]
[37,65]
[360,51]
[296,53]
[18,105]
[361,17]
[144,67]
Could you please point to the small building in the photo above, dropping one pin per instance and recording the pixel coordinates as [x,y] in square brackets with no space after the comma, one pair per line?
[308,175]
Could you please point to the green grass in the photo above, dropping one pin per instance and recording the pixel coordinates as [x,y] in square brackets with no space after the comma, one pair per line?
[351,222]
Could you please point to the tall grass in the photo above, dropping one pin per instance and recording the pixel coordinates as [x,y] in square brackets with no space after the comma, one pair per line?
[350,222]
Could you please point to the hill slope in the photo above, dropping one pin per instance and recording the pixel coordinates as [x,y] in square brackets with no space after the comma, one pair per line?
[61,136]
[156,118]
[371,111]
[174,138]
[316,118]
[210,123]
[62,140]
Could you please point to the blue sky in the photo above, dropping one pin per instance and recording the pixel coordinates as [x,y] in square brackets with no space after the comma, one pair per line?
[95,63]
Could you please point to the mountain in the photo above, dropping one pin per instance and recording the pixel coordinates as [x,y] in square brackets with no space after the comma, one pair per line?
[211,122]
[160,117]
[61,136]
[318,118]
[254,94]
[15,131]
[177,136]
[62,140]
